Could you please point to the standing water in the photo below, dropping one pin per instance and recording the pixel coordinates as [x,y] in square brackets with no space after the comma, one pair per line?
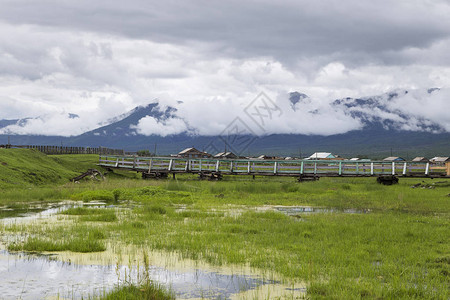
[76,276]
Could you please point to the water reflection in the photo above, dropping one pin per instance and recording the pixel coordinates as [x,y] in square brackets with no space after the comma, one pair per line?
[294,210]
[37,276]
[37,212]
[7,212]
[28,276]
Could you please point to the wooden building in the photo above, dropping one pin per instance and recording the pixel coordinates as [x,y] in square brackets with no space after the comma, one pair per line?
[420,159]
[324,156]
[266,157]
[394,158]
[226,155]
[193,153]
[440,159]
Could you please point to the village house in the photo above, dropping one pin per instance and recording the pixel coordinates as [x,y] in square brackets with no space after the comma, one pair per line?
[359,159]
[440,159]
[193,153]
[420,159]
[226,155]
[266,157]
[441,164]
[394,158]
[323,156]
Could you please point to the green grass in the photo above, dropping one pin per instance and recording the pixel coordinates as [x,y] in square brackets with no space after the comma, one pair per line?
[58,237]
[82,245]
[26,168]
[79,211]
[94,195]
[342,193]
[145,292]
[109,217]
[28,175]
[393,255]
[398,250]
[144,288]
[91,214]
[18,211]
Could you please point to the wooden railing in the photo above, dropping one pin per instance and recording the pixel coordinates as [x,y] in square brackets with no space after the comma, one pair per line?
[273,167]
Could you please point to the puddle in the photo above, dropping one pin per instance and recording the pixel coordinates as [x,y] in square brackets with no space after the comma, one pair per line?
[17,212]
[191,279]
[23,215]
[81,275]
[295,210]
[39,277]
[236,211]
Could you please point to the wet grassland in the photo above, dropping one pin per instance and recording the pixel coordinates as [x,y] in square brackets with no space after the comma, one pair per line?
[339,238]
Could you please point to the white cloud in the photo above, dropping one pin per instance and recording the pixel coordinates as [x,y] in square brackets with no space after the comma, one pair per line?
[60,58]
[55,124]
[149,126]
[420,104]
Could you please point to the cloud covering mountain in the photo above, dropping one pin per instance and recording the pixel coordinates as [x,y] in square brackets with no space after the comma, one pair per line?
[98,60]
[417,110]
[401,110]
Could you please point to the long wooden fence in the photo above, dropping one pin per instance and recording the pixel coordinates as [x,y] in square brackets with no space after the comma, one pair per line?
[298,168]
[69,150]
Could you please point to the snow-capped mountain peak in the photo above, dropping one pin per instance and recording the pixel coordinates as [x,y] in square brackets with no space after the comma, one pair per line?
[398,110]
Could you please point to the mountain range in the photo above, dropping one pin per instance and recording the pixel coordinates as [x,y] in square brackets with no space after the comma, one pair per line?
[385,129]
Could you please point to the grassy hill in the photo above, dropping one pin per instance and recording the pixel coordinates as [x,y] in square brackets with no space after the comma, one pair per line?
[22,168]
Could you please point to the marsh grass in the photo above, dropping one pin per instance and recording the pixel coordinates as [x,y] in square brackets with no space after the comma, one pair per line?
[397,251]
[104,195]
[91,214]
[80,211]
[155,209]
[83,245]
[105,217]
[33,194]
[143,292]
[140,288]
[59,237]
[11,212]
[384,254]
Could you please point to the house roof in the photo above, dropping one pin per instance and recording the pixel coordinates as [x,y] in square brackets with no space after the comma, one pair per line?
[440,159]
[392,158]
[420,158]
[266,157]
[321,155]
[188,150]
[221,154]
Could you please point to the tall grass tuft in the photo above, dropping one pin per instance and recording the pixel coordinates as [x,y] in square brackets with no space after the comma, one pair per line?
[75,245]
[144,292]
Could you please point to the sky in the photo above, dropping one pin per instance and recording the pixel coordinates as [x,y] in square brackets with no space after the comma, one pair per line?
[73,65]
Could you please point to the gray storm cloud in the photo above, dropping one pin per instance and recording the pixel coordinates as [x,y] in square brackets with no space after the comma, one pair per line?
[100,59]
[278,29]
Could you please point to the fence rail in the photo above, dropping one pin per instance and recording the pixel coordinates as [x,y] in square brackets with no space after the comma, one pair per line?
[327,168]
[68,150]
